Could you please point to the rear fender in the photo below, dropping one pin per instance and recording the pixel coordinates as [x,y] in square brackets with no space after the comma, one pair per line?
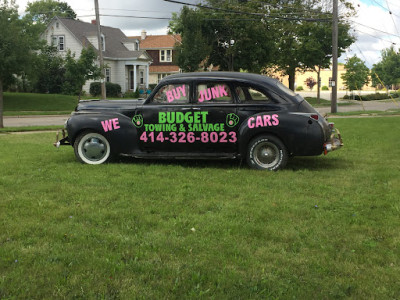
[300,134]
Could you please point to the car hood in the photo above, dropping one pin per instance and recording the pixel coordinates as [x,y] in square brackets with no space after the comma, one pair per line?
[91,105]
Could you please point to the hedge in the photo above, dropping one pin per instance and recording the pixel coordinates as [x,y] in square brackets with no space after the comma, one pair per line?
[369,97]
[112,89]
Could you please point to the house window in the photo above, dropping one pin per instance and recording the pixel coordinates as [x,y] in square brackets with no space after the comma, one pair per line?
[108,75]
[58,41]
[103,43]
[141,77]
[161,76]
[137,46]
[165,55]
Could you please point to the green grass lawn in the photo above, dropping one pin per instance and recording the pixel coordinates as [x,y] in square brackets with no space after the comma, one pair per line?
[27,102]
[324,228]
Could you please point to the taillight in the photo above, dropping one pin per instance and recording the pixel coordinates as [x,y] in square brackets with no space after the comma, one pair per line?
[315,117]
[332,125]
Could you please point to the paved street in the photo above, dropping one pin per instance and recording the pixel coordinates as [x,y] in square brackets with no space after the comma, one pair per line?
[19,121]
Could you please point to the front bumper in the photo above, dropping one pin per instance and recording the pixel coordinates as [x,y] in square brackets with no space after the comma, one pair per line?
[63,141]
[335,141]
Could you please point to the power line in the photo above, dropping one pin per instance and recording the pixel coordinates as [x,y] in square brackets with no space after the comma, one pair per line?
[394,23]
[250,13]
[379,38]
[388,33]
[387,9]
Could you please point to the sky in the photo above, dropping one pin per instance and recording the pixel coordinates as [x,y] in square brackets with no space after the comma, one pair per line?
[374,26]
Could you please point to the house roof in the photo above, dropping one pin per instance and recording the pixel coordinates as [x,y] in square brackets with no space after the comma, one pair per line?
[158,41]
[164,69]
[114,39]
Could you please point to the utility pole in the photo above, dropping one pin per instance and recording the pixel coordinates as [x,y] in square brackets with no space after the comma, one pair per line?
[100,45]
[335,21]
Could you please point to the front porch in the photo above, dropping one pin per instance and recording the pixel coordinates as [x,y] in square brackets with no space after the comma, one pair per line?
[137,76]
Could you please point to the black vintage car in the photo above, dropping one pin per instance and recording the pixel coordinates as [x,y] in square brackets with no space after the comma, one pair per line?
[203,115]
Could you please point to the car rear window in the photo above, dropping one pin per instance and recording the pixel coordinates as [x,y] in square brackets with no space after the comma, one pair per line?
[248,94]
[285,89]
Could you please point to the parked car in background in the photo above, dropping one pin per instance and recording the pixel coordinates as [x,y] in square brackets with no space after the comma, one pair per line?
[203,115]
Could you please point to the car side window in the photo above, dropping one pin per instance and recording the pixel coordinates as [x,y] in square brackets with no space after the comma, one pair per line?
[247,94]
[172,94]
[213,92]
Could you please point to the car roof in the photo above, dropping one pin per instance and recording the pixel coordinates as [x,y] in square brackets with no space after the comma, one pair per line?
[223,75]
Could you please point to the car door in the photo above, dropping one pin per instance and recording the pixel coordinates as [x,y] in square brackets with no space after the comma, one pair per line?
[217,131]
[161,121]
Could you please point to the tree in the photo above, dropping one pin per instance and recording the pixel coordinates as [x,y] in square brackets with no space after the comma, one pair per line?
[51,77]
[78,71]
[251,35]
[316,46]
[305,45]
[43,11]
[18,42]
[193,49]
[388,69]
[356,75]
[229,41]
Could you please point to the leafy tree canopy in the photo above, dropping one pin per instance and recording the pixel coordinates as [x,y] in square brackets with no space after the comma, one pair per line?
[78,71]
[43,11]
[18,42]
[388,69]
[356,75]
[251,35]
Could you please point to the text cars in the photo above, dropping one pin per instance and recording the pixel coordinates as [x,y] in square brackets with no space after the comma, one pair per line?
[203,115]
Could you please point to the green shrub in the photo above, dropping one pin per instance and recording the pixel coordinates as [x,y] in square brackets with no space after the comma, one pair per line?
[299,88]
[112,89]
[325,88]
[369,97]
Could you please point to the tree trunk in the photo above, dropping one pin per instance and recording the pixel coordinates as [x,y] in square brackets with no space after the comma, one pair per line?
[319,85]
[1,104]
[292,78]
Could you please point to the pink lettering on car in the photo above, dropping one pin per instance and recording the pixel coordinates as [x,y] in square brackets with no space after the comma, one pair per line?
[176,93]
[263,121]
[110,124]
[212,93]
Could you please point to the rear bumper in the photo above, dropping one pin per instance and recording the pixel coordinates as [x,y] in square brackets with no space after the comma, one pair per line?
[335,142]
[61,142]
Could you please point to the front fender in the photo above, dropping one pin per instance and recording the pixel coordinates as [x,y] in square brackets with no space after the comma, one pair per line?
[117,128]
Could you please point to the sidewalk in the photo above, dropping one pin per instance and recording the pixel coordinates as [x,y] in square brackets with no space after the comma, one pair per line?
[382,105]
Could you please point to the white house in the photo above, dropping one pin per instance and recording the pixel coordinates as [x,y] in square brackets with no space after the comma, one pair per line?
[126,64]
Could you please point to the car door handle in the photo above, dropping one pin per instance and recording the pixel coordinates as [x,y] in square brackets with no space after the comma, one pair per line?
[196,108]
[185,108]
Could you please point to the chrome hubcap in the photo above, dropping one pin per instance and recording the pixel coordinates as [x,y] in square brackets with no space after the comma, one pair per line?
[94,148]
[266,154]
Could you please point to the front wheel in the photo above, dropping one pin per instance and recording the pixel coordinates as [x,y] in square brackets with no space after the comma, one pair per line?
[267,152]
[92,148]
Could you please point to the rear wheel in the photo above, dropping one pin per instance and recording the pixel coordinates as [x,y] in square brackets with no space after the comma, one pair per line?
[92,148]
[267,152]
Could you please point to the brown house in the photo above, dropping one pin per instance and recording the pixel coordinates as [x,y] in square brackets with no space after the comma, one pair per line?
[161,50]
